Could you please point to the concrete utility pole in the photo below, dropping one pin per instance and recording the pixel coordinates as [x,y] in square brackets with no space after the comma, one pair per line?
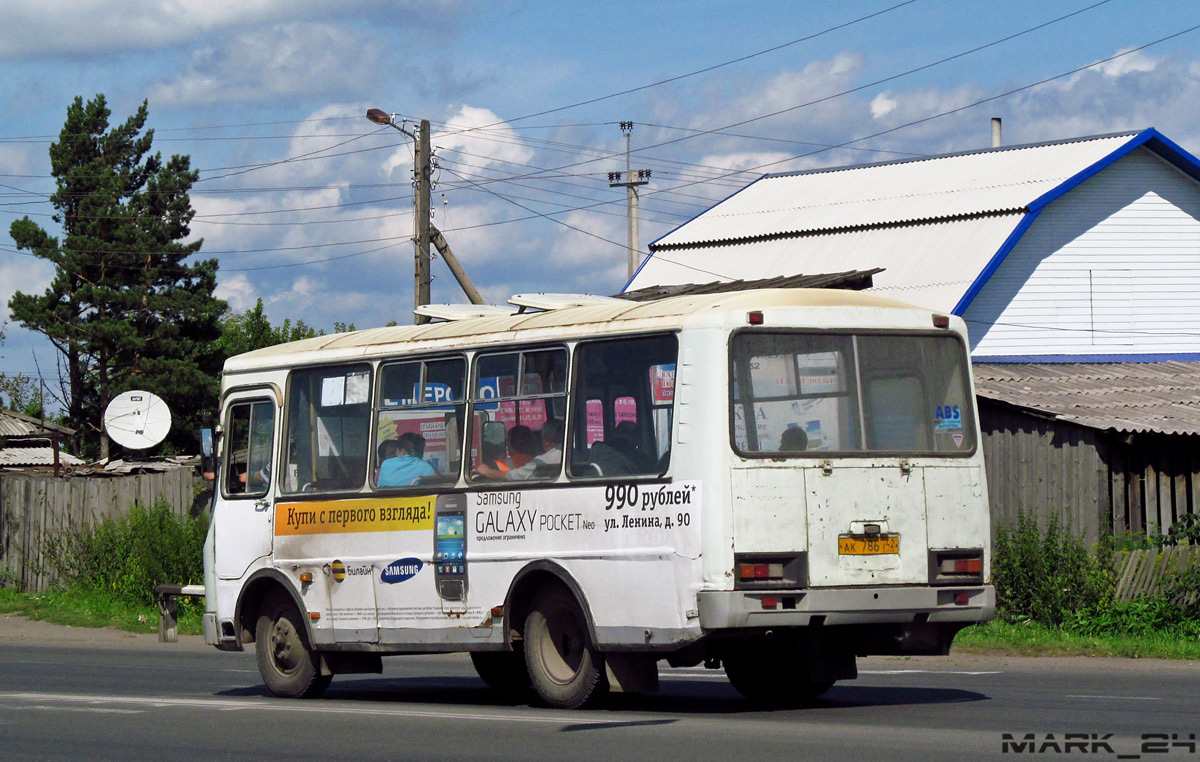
[631,182]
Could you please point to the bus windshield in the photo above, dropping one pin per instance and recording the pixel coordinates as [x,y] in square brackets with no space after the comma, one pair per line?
[810,393]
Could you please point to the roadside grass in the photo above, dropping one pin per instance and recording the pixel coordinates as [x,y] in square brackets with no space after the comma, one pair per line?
[999,638]
[83,608]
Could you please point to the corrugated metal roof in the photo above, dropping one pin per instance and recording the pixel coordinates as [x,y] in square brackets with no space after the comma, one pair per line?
[982,182]
[944,258]
[35,456]
[1160,397]
[14,424]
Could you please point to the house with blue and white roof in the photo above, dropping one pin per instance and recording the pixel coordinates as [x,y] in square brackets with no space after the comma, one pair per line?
[1076,266]
[1076,250]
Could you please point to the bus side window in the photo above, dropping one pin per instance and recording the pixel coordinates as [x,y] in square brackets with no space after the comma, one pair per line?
[417,422]
[623,402]
[525,394]
[328,426]
[250,441]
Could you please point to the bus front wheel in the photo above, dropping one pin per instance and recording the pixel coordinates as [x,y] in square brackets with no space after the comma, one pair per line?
[287,662]
[566,670]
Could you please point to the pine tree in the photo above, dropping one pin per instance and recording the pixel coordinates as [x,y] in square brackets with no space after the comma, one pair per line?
[124,309]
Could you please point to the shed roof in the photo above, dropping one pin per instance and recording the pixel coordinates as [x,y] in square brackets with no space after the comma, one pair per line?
[35,456]
[14,424]
[1159,397]
[851,279]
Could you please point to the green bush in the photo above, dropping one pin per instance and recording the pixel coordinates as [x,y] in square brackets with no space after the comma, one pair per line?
[1045,577]
[1143,616]
[129,555]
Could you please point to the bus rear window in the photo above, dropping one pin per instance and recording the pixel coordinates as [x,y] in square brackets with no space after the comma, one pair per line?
[795,393]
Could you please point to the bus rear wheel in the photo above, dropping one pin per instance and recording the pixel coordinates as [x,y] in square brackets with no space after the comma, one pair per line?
[287,662]
[773,675]
[566,670]
[504,671]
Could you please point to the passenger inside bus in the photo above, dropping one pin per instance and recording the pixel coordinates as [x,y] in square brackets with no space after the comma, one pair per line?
[522,445]
[408,466]
[793,439]
[544,465]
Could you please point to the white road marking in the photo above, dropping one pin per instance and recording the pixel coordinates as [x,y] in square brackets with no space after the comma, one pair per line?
[284,705]
[925,672]
[44,708]
[1121,698]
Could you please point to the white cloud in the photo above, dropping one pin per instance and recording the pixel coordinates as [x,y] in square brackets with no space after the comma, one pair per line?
[40,28]
[1129,62]
[882,105]
[286,61]
[497,147]
[237,290]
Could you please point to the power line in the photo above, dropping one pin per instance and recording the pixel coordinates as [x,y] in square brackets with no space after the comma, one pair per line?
[705,70]
[833,96]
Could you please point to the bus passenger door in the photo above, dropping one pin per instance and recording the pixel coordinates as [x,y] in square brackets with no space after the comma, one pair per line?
[242,518]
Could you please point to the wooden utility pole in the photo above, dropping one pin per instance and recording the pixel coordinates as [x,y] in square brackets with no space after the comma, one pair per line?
[425,234]
[422,173]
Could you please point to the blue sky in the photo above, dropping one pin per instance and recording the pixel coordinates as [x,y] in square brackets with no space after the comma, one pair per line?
[308,205]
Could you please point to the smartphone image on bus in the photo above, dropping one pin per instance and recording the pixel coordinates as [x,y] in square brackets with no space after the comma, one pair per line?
[450,547]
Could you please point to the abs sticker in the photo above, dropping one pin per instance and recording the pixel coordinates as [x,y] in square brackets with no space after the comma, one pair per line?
[948,417]
[399,571]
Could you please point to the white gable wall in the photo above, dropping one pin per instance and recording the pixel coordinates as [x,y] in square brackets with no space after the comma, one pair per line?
[1110,268]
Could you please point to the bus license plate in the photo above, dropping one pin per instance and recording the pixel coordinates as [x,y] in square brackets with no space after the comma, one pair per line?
[862,546]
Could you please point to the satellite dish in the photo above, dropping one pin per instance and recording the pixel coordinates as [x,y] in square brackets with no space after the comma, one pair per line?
[137,420]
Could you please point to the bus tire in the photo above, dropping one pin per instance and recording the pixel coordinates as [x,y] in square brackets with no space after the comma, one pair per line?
[503,671]
[287,662]
[566,670]
[772,676]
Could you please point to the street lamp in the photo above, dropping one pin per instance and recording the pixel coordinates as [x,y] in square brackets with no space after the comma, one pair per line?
[421,175]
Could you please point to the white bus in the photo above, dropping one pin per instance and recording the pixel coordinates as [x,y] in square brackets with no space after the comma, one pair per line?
[772,481]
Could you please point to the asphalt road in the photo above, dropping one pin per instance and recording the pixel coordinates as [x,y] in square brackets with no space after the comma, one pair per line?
[139,700]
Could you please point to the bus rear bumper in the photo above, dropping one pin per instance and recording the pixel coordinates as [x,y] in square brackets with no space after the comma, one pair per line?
[740,609]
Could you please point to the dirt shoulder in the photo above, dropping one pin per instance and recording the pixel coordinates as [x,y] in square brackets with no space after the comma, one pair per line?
[19,630]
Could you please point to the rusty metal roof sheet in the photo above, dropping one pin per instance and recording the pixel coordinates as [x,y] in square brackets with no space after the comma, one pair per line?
[851,279]
[1159,397]
[14,424]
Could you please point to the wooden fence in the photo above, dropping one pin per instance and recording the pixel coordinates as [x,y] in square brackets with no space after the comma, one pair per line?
[1098,482]
[1149,572]
[33,508]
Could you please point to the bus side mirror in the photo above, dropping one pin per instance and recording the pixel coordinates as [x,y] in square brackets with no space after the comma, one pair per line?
[208,464]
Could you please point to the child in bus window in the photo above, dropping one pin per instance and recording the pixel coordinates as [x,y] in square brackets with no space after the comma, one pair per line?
[407,466]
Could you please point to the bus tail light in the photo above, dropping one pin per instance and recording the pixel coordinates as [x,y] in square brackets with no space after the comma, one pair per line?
[769,571]
[956,567]
[750,572]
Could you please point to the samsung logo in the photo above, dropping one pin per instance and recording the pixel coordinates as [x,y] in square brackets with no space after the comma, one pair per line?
[398,571]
